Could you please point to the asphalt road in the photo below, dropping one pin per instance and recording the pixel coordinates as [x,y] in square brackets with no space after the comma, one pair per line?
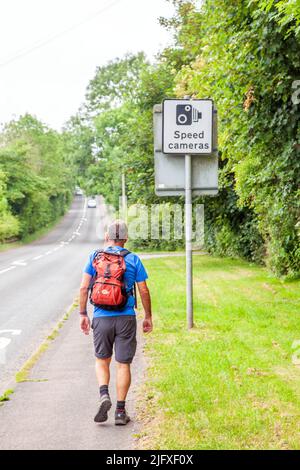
[38,282]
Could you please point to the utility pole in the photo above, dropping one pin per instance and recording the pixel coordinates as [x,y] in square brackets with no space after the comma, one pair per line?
[124,215]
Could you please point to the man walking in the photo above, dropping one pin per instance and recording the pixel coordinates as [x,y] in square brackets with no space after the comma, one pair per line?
[114,272]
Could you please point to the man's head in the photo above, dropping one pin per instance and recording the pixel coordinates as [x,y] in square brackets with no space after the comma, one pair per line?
[117,233]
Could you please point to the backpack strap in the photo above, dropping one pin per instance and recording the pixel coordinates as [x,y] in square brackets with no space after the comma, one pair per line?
[93,279]
[124,253]
[133,289]
[97,252]
[135,297]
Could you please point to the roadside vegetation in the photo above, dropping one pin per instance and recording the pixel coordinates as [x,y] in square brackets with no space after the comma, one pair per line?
[233,382]
[244,55]
[5,396]
[36,178]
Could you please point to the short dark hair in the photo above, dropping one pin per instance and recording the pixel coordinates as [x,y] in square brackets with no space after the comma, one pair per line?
[117,231]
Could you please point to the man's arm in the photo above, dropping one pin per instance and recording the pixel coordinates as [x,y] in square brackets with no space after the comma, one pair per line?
[146,301]
[83,297]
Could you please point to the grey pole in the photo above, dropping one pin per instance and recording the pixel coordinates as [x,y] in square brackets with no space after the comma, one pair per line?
[188,240]
[123,197]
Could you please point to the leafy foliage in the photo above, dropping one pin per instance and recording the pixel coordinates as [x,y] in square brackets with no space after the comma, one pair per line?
[288,13]
[36,178]
[9,226]
[245,55]
[247,62]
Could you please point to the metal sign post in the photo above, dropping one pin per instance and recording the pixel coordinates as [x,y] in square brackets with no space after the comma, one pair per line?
[124,215]
[186,162]
[188,240]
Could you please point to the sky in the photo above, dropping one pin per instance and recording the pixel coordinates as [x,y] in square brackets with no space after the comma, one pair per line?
[49,49]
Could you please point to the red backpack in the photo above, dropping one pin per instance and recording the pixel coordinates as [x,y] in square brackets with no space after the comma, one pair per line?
[108,290]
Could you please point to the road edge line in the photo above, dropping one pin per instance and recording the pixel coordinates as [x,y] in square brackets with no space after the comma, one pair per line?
[23,373]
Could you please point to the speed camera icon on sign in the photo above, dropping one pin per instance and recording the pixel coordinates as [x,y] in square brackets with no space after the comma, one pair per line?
[187,126]
[186,115]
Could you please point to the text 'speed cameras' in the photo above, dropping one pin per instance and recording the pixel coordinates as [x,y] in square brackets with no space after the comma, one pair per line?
[186,114]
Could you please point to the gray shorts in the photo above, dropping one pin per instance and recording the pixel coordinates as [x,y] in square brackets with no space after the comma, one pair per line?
[119,331]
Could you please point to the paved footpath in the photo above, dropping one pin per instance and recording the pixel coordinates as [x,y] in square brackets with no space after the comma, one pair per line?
[58,413]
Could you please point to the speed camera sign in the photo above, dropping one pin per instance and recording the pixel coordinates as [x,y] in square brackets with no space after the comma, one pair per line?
[187,126]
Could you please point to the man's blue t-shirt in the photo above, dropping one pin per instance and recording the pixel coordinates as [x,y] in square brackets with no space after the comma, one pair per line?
[135,272]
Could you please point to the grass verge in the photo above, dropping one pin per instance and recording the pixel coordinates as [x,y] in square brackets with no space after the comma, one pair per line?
[5,396]
[233,382]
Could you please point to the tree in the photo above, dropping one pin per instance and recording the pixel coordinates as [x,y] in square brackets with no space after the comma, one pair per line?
[247,62]
[39,180]
[9,226]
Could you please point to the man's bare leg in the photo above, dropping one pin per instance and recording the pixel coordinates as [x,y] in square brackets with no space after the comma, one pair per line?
[103,377]
[123,380]
[102,371]
[123,384]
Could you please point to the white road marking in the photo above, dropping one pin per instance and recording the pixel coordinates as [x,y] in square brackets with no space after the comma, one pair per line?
[37,257]
[20,262]
[7,269]
[62,244]
[12,332]
[4,342]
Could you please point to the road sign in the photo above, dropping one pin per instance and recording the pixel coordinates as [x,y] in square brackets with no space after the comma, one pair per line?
[188,127]
[170,169]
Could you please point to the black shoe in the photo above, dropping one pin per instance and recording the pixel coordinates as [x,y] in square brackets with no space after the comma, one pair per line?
[121,418]
[105,406]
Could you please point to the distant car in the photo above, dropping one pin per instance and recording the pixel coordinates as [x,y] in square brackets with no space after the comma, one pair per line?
[91,203]
[78,192]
